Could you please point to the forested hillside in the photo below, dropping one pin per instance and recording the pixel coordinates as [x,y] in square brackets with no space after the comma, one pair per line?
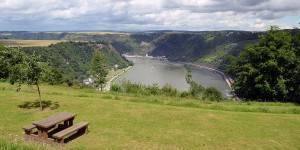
[74,57]
[209,47]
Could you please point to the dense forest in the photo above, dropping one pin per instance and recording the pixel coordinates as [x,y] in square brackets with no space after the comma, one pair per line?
[74,57]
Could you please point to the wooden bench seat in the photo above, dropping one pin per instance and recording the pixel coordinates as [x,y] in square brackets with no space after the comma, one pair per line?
[81,127]
[28,129]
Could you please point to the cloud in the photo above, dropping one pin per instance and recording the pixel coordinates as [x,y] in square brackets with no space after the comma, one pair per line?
[145,14]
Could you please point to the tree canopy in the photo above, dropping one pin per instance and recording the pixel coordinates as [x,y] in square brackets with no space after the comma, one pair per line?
[268,70]
[98,69]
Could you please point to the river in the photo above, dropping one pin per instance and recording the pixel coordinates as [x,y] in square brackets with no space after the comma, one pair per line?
[148,71]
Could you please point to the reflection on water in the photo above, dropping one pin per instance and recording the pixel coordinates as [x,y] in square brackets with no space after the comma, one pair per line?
[149,71]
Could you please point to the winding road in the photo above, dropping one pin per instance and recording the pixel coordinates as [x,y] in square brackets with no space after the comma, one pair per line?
[108,83]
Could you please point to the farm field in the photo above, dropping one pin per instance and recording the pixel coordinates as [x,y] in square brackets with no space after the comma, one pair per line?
[122,121]
[28,43]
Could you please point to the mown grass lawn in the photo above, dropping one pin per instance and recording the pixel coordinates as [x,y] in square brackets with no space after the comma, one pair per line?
[121,121]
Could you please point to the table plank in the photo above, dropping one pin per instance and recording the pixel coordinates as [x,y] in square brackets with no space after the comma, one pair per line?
[53,120]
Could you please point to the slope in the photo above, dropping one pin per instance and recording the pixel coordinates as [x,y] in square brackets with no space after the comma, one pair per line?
[125,122]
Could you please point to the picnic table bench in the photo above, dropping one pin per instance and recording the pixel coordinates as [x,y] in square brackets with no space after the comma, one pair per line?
[81,127]
[51,125]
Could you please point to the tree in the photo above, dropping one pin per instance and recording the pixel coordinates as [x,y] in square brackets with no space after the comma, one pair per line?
[98,69]
[25,69]
[35,69]
[53,76]
[8,58]
[189,75]
[267,70]
[195,89]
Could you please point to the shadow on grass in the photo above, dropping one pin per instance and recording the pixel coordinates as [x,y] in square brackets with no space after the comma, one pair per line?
[36,104]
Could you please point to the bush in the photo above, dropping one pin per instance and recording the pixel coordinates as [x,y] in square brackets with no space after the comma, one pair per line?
[153,89]
[135,88]
[168,90]
[116,88]
[212,94]
[184,94]
[195,89]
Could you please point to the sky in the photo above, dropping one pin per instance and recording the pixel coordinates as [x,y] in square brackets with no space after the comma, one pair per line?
[141,15]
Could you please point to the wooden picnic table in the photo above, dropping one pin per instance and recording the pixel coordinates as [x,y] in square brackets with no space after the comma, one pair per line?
[45,125]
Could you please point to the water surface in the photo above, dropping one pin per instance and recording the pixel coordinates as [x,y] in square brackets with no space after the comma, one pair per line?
[148,71]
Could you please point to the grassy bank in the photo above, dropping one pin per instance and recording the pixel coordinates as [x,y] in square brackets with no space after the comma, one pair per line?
[121,121]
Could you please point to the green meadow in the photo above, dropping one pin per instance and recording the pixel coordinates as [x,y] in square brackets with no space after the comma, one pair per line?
[124,121]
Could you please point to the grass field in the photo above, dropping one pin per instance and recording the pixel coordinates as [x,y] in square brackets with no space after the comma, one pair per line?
[121,121]
[28,43]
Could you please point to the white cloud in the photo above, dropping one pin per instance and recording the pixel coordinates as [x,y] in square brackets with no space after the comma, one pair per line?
[145,14]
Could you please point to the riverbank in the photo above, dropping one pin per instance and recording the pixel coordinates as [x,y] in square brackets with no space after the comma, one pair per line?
[229,81]
[112,79]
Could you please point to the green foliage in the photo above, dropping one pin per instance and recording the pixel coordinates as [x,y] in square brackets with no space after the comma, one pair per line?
[135,88]
[212,94]
[98,69]
[195,89]
[74,57]
[189,75]
[203,47]
[116,88]
[53,76]
[28,70]
[18,74]
[268,70]
[153,89]
[70,79]
[35,69]
[168,90]
[8,58]
[184,94]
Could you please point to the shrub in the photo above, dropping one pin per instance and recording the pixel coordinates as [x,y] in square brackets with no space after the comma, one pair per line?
[211,93]
[135,88]
[195,89]
[168,90]
[116,88]
[184,94]
[153,89]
